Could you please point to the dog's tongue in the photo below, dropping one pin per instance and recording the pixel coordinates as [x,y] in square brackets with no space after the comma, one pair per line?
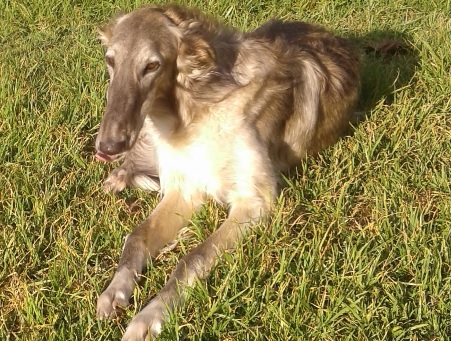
[105,157]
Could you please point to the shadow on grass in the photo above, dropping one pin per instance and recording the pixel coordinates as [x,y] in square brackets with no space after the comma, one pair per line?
[388,63]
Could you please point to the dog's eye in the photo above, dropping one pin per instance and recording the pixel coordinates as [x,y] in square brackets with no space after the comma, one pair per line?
[151,67]
[110,61]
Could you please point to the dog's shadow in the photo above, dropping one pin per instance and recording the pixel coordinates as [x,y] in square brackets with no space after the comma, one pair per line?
[389,61]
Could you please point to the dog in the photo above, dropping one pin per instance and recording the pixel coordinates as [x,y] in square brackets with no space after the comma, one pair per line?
[195,110]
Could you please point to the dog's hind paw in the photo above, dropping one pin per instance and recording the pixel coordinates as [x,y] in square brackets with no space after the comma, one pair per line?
[116,181]
[148,323]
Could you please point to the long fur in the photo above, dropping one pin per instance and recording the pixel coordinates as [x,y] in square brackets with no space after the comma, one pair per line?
[197,109]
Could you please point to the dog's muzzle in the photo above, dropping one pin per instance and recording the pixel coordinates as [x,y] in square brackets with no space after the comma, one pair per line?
[109,151]
[105,157]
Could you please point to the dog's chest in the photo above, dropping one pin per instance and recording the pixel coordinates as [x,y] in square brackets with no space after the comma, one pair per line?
[200,166]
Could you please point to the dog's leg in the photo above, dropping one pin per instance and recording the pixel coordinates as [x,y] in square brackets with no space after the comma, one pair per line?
[139,169]
[116,181]
[145,241]
[122,177]
[195,265]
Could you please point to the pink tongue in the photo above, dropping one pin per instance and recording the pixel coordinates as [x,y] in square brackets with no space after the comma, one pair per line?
[105,157]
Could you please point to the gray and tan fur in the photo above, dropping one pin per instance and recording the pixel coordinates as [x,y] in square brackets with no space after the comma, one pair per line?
[198,110]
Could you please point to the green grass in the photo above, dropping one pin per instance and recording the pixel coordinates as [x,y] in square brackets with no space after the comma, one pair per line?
[359,247]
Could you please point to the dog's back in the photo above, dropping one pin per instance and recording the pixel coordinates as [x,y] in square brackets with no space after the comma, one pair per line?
[321,72]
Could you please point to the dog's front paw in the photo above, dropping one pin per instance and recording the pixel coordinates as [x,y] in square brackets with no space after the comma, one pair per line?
[116,181]
[110,299]
[146,182]
[148,323]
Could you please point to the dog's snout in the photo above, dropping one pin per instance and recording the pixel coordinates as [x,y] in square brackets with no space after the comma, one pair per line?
[112,147]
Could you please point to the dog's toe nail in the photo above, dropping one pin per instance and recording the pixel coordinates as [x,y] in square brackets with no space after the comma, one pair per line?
[156,329]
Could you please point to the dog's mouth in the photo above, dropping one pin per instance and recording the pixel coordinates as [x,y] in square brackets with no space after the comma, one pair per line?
[102,157]
[112,151]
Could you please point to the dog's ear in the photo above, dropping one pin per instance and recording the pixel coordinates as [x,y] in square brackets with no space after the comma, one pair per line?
[195,55]
[106,31]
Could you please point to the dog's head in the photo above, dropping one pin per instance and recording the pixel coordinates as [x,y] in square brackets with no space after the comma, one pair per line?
[141,51]
[146,52]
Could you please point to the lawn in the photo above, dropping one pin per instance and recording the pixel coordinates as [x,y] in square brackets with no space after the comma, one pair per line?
[358,247]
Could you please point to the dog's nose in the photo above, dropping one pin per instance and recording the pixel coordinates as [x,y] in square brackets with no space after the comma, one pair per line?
[112,147]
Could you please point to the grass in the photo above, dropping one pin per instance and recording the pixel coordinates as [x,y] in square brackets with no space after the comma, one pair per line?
[359,247]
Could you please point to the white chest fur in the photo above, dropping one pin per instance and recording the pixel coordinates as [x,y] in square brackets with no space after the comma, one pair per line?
[196,166]
[222,158]
[189,169]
